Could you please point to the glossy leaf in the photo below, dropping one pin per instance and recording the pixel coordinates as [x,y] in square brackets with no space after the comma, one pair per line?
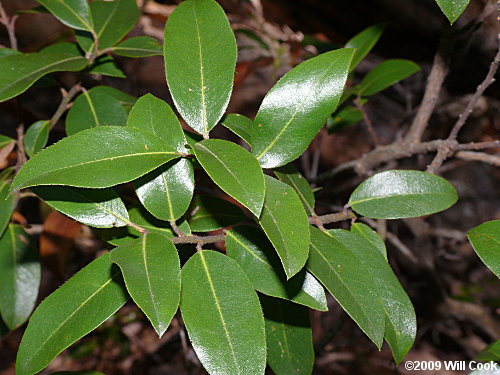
[400,320]
[125,99]
[348,281]
[80,305]
[386,74]
[73,13]
[288,336]
[370,235]
[485,240]
[234,170]
[152,273]
[345,117]
[139,46]
[112,21]
[94,108]
[106,66]
[200,60]
[452,9]
[208,213]
[255,254]
[20,72]
[95,158]
[6,205]
[167,191]
[286,224]
[36,137]
[397,194]
[223,316]
[292,177]
[4,141]
[298,106]
[364,42]
[100,208]
[19,276]
[240,125]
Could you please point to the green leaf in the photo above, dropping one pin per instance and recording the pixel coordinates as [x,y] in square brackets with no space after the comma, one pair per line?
[370,235]
[19,276]
[364,42]
[6,205]
[106,66]
[240,125]
[452,9]
[155,116]
[490,353]
[288,336]
[234,170]
[223,316]
[386,74]
[80,305]
[96,158]
[292,177]
[255,254]
[4,141]
[485,240]
[139,46]
[4,52]
[209,213]
[167,191]
[200,60]
[286,225]
[348,281]
[112,21]
[100,208]
[298,106]
[400,194]
[152,273]
[36,137]
[400,320]
[125,99]
[73,13]
[347,116]
[20,72]
[94,108]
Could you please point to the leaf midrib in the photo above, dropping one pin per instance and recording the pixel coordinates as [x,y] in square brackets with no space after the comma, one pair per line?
[202,77]
[150,288]
[82,20]
[396,195]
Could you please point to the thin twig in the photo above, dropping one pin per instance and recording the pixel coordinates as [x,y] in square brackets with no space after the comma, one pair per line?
[21,155]
[9,24]
[367,121]
[331,218]
[198,239]
[479,156]
[67,96]
[176,229]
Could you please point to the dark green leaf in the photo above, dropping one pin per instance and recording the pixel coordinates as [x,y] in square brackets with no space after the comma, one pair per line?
[36,137]
[80,305]
[94,108]
[223,316]
[286,225]
[100,208]
[386,74]
[112,21]
[167,191]
[152,273]
[106,66]
[200,59]
[125,100]
[73,13]
[364,42]
[485,240]
[255,254]
[139,46]
[291,176]
[452,9]
[400,194]
[6,205]
[400,320]
[490,353]
[209,213]
[346,117]
[5,52]
[96,158]
[240,125]
[365,231]
[298,106]
[19,276]
[349,281]
[4,141]
[288,336]
[234,170]
[19,72]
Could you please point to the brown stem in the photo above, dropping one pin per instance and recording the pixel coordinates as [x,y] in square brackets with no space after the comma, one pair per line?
[203,240]
[10,26]
[176,229]
[67,96]
[479,156]
[367,121]
[331,218]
